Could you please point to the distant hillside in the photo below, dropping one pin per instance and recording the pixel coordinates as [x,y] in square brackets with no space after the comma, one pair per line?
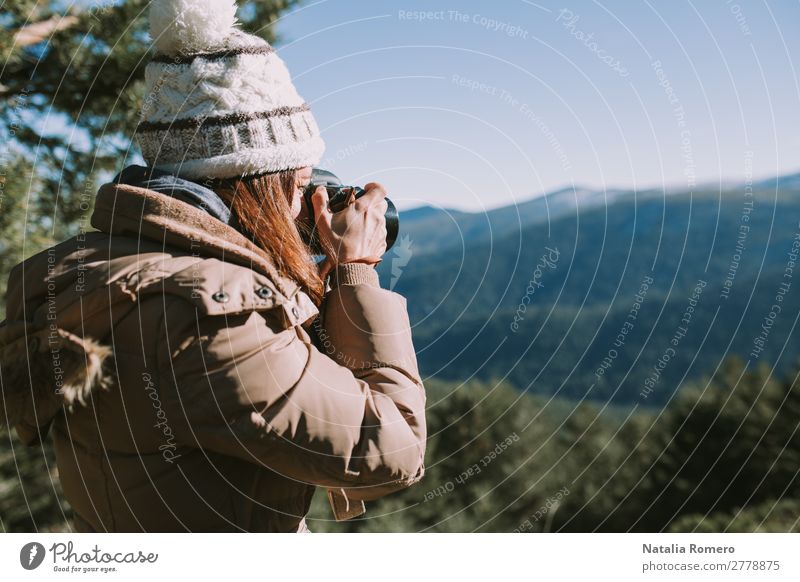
[463,297]
[436,229]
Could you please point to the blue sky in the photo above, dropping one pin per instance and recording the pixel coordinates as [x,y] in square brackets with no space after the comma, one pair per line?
[475,105]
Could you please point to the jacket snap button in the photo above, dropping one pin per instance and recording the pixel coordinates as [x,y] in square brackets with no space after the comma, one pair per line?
[295,312]
[220,297]
[264,292]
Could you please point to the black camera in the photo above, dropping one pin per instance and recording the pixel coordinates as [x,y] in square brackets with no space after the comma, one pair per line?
[338,195]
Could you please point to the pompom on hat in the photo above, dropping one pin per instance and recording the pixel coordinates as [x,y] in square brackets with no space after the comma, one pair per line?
[219,103]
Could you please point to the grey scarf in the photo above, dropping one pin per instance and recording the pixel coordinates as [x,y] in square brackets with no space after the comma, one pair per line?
[181,189]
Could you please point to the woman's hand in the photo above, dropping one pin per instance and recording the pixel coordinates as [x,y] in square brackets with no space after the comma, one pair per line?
[355,234]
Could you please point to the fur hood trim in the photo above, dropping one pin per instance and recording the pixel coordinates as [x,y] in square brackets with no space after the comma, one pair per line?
[43,369]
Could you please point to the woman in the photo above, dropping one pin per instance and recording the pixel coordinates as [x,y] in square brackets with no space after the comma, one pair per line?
[195,368]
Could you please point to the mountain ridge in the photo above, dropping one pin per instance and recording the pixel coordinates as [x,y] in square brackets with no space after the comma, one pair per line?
[465,294]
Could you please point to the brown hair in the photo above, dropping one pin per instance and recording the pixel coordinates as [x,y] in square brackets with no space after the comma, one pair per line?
[262,205]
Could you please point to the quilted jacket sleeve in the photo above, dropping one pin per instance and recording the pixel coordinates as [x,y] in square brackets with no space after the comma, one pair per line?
[346,414]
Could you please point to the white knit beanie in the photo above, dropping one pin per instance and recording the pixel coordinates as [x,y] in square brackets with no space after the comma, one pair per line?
[220,102]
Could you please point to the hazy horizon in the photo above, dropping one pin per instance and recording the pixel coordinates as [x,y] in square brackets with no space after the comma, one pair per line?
[724,185]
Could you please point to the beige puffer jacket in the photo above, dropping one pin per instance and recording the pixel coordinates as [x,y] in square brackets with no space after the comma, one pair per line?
[177,374]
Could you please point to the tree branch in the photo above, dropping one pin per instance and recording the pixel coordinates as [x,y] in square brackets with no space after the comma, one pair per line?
[37,32]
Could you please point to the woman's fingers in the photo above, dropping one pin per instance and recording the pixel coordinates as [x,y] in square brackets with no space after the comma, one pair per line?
[375,194]
[319,200]
[358,231]
[374,186]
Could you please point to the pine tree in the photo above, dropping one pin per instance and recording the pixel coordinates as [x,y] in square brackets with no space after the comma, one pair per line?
[771,516]
[733,444]
[71,88]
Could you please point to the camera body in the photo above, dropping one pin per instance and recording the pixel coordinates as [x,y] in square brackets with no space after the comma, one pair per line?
[338,195]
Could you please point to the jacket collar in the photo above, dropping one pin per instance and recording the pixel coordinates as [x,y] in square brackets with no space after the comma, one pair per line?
[193,193]
[126,210]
